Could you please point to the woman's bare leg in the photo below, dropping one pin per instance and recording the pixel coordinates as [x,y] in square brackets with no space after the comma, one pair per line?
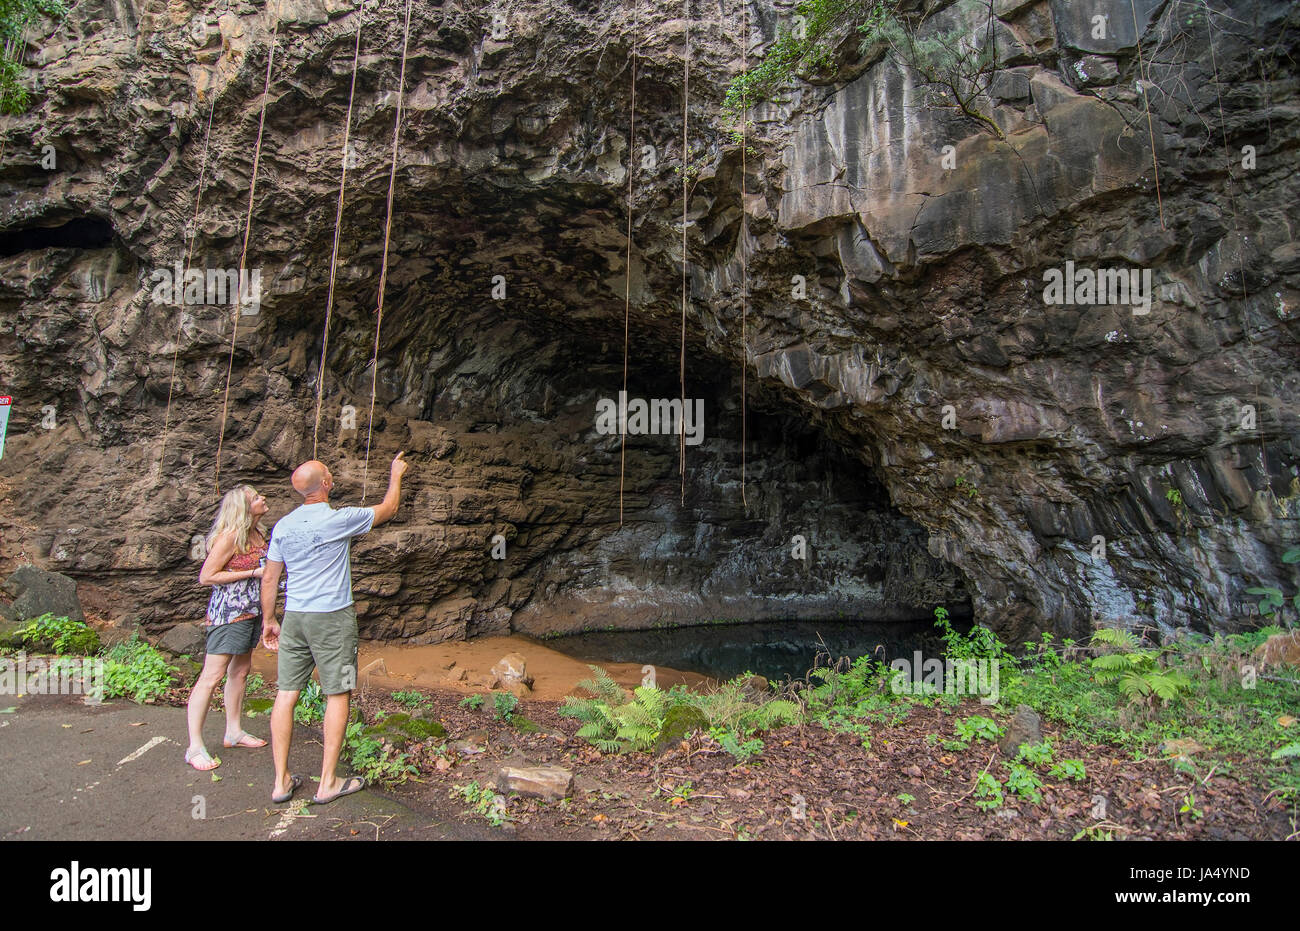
[214,667]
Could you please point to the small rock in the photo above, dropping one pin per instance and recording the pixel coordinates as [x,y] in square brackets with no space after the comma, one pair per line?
[548,782]
[1181,746]
[517,688]
[1025,728]
[483,680]
[455,674]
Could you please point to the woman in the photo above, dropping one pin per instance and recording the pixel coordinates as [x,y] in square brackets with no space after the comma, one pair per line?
[236,546]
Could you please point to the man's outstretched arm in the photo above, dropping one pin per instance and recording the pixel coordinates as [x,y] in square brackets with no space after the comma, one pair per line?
[386,510]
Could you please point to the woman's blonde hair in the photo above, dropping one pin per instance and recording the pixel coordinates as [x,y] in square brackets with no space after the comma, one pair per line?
[235,516]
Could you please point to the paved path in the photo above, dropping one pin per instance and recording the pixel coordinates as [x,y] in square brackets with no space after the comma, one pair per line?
[69,771]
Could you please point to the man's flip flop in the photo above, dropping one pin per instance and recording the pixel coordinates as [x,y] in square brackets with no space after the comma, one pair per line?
[294,783]
[239,741]
[360,784]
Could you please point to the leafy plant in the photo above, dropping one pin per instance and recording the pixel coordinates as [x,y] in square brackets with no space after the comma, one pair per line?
[977,727]
[612,723]
[1069,769]
[1135,670]
[472,702]
[1189,807]
[905,799]
[65,634]
[310,708]
[482,801]
[988,792]
[375,758]
[15,17]
[409,699]
[135,669]
[503,705]
[742,751]
[1036,754]
[1023,782]
[967,487]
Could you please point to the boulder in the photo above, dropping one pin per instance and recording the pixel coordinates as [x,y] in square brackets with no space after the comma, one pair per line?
[37,591]
[512,668]
[188,638]
[1025,728]
[9,633]
[679,722]
[517,688]
[483,680]
[551,783]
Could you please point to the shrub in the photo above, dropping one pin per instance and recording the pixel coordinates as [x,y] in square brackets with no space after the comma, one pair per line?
[63,634]
[135,669]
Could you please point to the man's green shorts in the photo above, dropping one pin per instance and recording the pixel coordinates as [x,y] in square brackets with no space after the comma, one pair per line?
[326,640]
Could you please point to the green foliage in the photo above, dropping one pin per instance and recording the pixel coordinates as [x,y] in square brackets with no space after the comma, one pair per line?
[1174,497]
[310,708]
[1189,807]
[1135,670]
[472,702]
[988,792]
[15,18]
[134,669]
[799,44]
[610,722]
[1023,782]
[977,727]
[614,724]
[967,487]
[980,643]
[728,741]
[503,705]
[374,758]
[254,683]
[905,799]
[65,634]
[1036,754]
[410,699]
[482,801]
[1069,769]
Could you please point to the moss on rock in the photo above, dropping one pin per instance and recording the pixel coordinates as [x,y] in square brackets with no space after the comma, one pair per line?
[680,721]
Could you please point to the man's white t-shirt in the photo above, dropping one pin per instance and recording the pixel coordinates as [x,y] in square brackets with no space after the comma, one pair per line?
[312,542]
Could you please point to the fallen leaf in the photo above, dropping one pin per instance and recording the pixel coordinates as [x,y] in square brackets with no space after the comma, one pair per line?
[1286,720]
[65,725]
[83,762]
[10,710]
[216,778]
[354,832]
[136,724]
[901,824]
[600,818]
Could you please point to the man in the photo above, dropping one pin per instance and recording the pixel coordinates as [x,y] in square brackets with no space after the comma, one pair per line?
[320,623]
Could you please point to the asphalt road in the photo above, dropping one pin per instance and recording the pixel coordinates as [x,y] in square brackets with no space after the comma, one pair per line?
[69,771]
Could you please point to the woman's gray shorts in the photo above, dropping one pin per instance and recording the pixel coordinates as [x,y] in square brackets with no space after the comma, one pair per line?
[236,638]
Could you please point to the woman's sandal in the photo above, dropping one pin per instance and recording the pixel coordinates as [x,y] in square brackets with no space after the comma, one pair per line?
[239,741]
[201,754]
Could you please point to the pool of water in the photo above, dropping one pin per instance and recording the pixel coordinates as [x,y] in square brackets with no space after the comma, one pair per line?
[776,649]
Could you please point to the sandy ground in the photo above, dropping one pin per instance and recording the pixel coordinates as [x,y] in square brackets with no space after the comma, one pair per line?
[391,666]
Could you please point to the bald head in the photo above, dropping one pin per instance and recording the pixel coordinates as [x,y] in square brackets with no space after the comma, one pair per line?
[312,480]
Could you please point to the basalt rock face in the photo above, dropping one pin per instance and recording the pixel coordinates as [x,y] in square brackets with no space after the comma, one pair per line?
[934,425]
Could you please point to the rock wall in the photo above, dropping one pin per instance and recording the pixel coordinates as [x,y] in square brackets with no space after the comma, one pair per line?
[917,410]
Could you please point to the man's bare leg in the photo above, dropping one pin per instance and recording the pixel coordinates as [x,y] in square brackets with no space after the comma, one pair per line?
[336,723]
[281,737]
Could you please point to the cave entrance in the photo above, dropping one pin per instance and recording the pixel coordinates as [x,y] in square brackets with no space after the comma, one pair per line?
[523,490]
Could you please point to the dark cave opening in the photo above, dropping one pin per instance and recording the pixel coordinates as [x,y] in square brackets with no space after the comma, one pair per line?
[77,233]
